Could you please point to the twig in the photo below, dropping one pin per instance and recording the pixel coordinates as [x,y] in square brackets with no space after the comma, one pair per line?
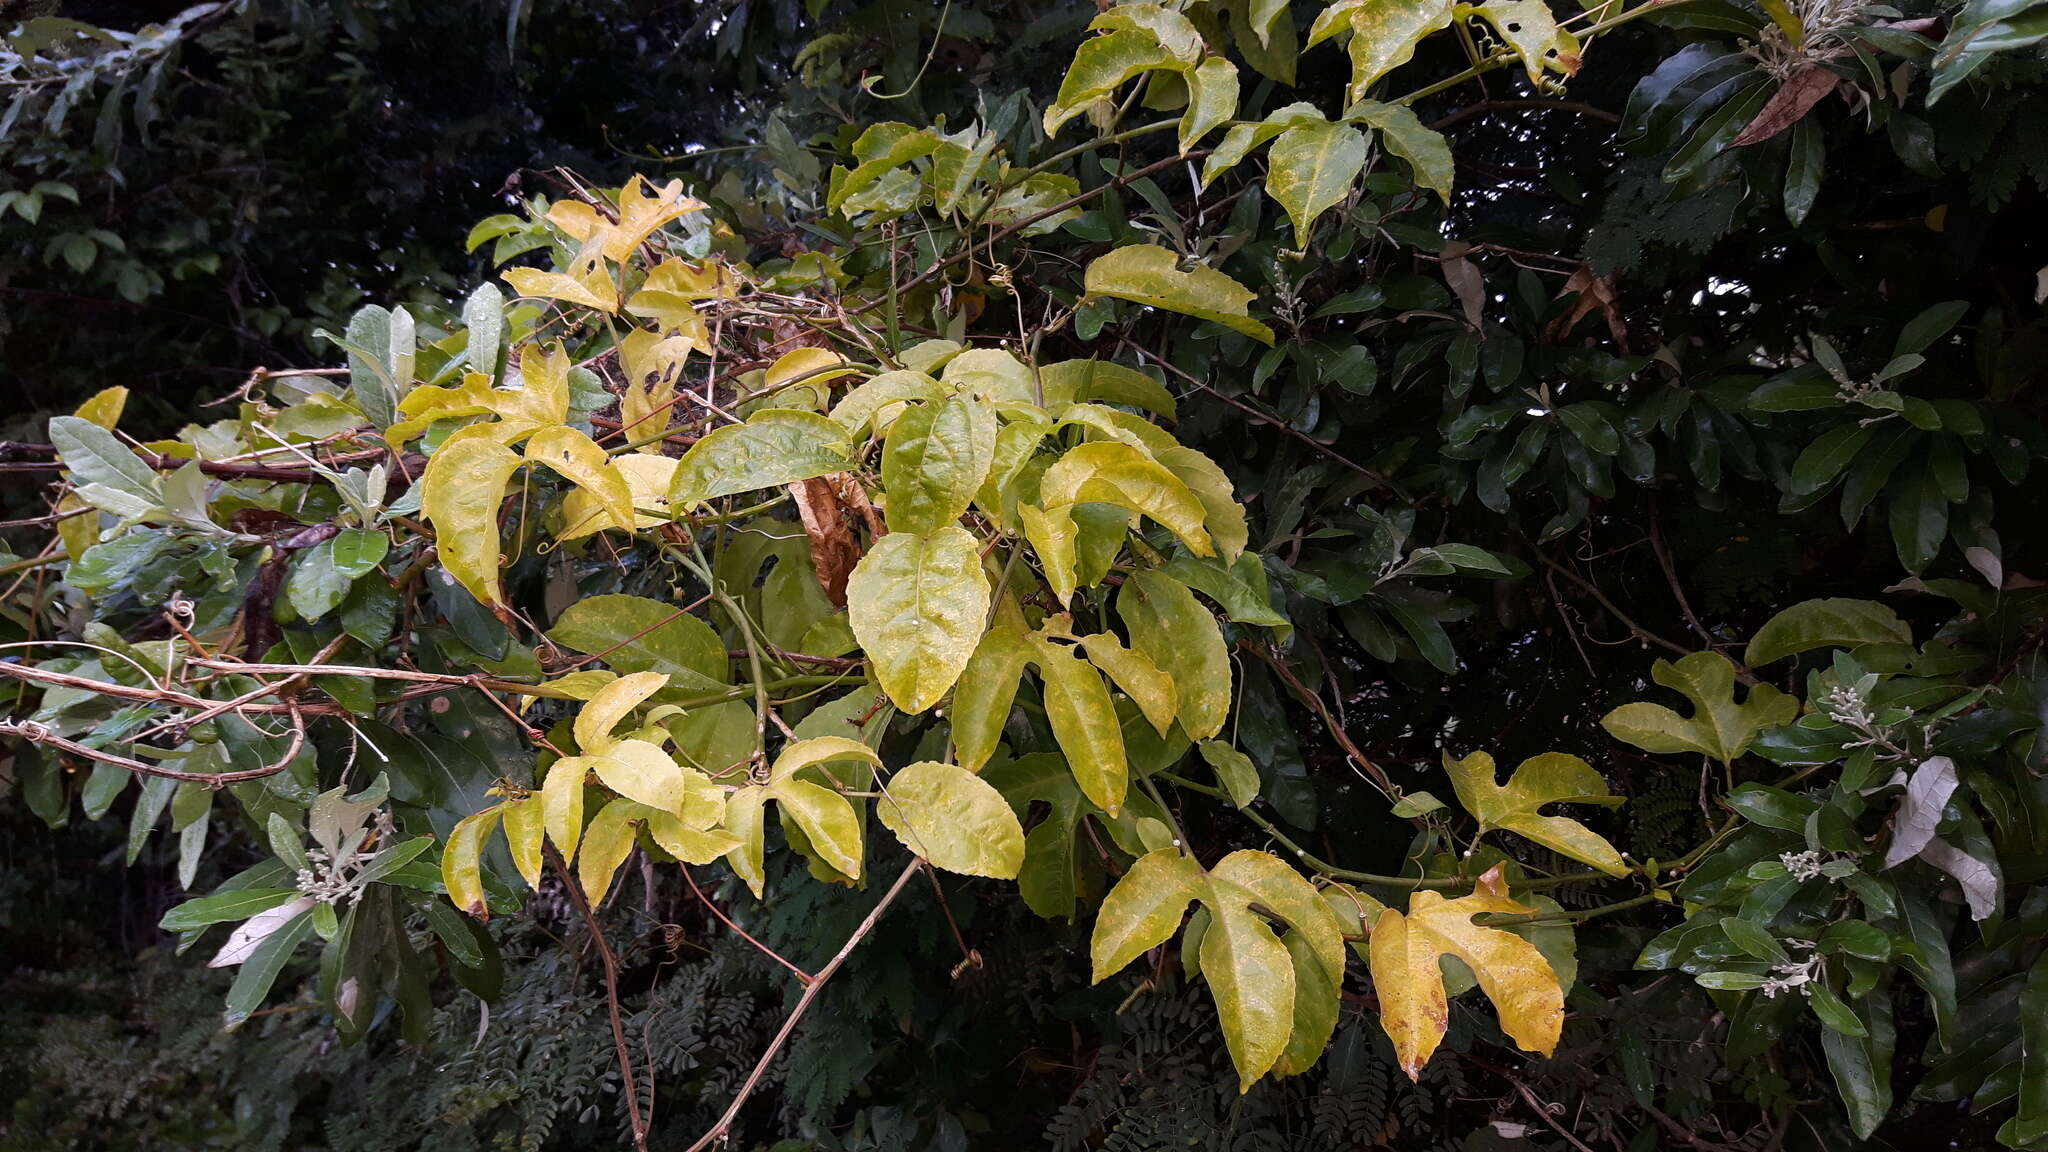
[611,994]
[1543,1110]
[720,1130]
[1671,576]
[805,977]
[38,734]
[1364,762]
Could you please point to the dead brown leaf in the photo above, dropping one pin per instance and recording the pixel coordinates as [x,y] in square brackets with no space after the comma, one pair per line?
[834,551]
[1789,104]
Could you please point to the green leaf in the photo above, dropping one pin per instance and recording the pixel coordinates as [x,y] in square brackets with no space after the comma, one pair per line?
[1143,910]
[1919,517]
[1923,330]
[776,446]
[224,907]
[1084,721]
[1753,940]
[1234,771]
[635,634]
[1171,627]
[918,605]
[1311,167]
[1109,472]
[93,455]
[1719,727]
[1824,459]
[1829,623]
[934,461]
[1804,172]
[1862,1066]
[1403,134]
[953,818]
[323,574]
[260,970]
[2029,1125]
[1150,275]
[1830,1010]
[460,493]
[1550,778]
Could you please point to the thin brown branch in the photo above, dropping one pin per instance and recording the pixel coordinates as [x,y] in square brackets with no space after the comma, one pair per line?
[1671,577]
[38,734]
[1337,733]
[631,1083]
[804,977]
[723,1128]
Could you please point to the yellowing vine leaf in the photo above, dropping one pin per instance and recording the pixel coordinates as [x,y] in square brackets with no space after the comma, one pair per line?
[578,459]
[461,861]
[1384,33]
[609,705]
[874,404]
[592,289]
[525,830]
[1109,472]
[1212,99]
[918,604]
[1532,32]
[1551,778]
[776,446]
[1719,727]
[1251,977]
[987,689]
[1150,275]
[648,480]
[1102,64]
[1143,911]
[1084,721]
[1414,1010]
[934,461]
[606,844]
[1180,637]
[947,815]
[1310,168]
[459,494]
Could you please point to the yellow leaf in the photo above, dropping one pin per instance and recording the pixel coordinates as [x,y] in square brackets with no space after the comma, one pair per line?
[801,754]
[1151,275]
[1084,721]
[1252,978]
[828,819]
[744,821]
[1142,911]
[811,369]
[1531,30]
[1052,533]
[648,480]
[593,290]
[918,604]
[1125,475]
[578,459]
[561,803]
[1552,778]
[524,830]
[460,492]
[953,818]
[1409,980]
[641,771]
[606,844]
[1134,672]
[678,839]
[461,864]
[873,404]
[987,689]
[104,408]
[613,703]
[653,364]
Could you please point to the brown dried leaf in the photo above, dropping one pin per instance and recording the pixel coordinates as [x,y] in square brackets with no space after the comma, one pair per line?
[834,551]
[1789,104]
